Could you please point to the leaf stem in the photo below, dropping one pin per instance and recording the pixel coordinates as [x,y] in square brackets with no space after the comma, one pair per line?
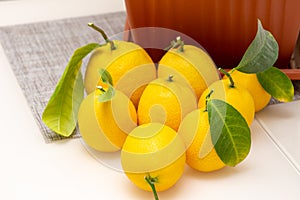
[107,40]
[151,181]
[228,76]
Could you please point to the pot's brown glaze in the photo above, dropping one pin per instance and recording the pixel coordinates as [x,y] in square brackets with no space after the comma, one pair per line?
[224,28]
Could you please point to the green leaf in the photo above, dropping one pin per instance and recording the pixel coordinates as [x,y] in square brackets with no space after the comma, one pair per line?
[60,114]
[277,84]
[229,131]
[78,95]
[105,76]
[261,54]
[107,95]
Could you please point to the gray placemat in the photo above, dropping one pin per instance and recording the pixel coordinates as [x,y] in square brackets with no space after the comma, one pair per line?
[39,52]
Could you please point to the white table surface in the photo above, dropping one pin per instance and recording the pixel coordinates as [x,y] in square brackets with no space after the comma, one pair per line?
[32,169]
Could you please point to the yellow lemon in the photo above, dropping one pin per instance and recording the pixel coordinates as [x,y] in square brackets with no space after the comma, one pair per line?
[166,101]
[104,125]
[130,66]
[236,95]
[191,65]
[153,151]
[250,82]
[195,131]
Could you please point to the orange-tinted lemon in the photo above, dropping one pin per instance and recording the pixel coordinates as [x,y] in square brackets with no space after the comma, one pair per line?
[153,150]
[237,96]
[190,65]
[104,125]
[195,131]
[166,101]
[129,65]
[250,82]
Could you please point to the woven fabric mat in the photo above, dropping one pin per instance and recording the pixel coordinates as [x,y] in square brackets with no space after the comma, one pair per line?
[39,52]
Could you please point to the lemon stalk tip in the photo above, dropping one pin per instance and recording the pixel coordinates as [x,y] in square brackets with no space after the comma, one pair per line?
[100,88]
[170,78]
[178,43]
[103,34]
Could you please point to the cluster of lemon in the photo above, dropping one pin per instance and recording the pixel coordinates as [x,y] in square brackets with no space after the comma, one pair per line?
[157,115]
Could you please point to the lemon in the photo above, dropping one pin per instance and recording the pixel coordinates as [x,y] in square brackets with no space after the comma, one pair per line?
[166,101]
[191,65]
[130,66]
[195,131]
[104,125]
[155,151]
[236,95]
[250,82]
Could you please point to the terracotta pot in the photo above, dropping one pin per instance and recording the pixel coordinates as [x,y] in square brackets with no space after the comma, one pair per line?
[224,28]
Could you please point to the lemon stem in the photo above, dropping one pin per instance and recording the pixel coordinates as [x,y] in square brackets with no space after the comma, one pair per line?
[178,43]
[228,76]
[151,181]
[170,79]
[107,40]
[100,88]
[207,98]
